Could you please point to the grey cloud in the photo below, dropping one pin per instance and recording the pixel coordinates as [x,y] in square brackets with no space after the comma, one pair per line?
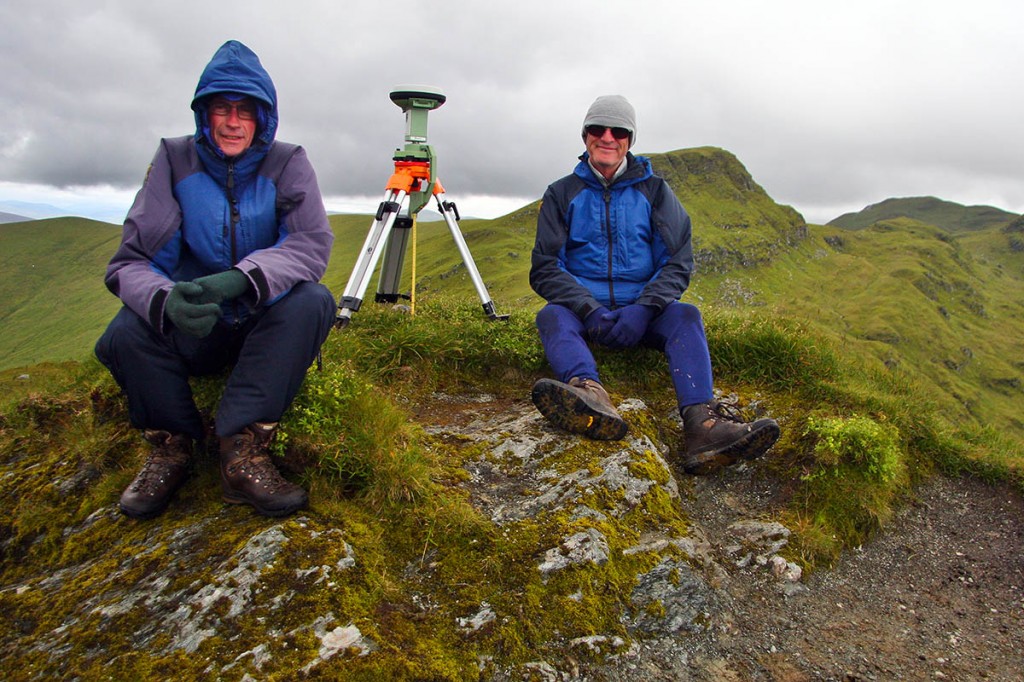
[826,105]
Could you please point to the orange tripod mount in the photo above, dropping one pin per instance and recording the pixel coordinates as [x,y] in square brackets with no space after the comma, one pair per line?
[409,189]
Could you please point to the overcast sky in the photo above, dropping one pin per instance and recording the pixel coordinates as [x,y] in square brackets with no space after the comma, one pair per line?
[830,106]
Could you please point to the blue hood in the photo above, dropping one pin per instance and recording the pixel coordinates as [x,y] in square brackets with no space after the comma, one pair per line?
[236,68]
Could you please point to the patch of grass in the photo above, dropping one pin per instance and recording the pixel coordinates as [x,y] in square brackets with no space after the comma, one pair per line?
[446,336]
[856,474]
[773,352]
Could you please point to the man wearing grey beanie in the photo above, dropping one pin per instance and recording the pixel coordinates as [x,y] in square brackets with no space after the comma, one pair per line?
[612,257]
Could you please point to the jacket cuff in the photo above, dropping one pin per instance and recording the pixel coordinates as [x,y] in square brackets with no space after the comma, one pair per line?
[260,287]
[586,307]
[156,310]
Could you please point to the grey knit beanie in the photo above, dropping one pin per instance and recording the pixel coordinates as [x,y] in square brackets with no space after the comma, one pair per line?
[613,111]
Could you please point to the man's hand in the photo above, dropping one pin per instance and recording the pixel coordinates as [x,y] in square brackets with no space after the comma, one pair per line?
[223,286]
[597,324]
[195,319]
[629,324]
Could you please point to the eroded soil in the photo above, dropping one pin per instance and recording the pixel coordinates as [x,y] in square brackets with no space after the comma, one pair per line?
[939,595]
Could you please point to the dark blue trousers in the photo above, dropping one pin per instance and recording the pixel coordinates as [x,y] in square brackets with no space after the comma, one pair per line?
[678,332]
[270,354]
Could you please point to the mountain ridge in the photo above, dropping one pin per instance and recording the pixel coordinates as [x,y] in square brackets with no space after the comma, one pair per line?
[948,215]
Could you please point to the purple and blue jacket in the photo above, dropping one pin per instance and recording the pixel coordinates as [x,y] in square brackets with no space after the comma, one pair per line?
[199,212]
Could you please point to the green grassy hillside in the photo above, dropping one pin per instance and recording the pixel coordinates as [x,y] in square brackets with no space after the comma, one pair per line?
[394,543]
[947,215]
[909,298]
[735,223]
[51,284]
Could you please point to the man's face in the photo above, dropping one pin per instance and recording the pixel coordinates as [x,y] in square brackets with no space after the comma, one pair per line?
[606,150]
[232,124]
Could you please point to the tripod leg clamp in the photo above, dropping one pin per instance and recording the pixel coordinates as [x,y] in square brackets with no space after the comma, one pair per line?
[387,207]
[351,303]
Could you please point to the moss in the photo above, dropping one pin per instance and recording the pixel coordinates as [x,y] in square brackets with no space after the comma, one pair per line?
[650,466]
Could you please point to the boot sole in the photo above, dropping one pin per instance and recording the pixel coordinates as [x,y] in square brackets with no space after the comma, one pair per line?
[142,515]
[568,411]
[153,512]
[232,498]
[750,447]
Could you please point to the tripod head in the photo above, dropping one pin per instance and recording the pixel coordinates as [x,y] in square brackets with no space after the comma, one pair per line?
[416,101]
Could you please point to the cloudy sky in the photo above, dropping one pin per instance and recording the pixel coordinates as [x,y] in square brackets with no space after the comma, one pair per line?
[830,106]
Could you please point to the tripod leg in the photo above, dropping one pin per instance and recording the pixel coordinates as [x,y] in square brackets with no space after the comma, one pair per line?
[394,259]
[368,257]
[450,214]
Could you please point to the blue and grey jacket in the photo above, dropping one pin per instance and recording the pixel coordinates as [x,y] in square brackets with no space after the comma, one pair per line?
[611,246]
[200,213]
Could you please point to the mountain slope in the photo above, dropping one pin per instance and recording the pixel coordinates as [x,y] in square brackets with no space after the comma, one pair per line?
[55,304]
[735,222]
[735,225]
[12,218]
[453,534]
[910,299]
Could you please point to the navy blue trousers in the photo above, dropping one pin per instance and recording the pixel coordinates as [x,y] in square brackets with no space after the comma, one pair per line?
[270,353]
[678,331]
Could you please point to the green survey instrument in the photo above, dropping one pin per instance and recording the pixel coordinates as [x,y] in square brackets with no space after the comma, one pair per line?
[408,190]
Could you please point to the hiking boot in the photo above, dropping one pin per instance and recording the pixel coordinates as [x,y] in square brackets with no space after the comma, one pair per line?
[164,471]
[581,406]
[247,475]
[716,437]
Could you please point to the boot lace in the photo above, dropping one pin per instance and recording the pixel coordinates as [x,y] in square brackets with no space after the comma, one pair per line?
[727,412]
[254,463]
[167,454]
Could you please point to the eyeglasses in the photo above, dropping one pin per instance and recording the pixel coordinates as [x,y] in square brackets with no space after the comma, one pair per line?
[598,131]
[246,111]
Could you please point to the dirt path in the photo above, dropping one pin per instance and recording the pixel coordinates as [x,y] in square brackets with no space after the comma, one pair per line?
[938,596]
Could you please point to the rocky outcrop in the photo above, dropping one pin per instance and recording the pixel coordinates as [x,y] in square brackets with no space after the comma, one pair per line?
[595,548]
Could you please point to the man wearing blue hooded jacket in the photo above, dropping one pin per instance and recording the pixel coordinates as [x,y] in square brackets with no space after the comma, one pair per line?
[612,257]
[219,266]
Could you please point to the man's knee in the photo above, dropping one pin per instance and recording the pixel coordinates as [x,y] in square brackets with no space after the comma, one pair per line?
[680,313]
[310,299]
[125,329]
[553,317]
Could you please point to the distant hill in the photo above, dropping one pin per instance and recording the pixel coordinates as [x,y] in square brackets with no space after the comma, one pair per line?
[12,218]
[948,215]
[28,210]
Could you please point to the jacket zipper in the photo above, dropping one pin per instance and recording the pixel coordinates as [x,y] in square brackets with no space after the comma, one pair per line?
[611,245]
[236,218]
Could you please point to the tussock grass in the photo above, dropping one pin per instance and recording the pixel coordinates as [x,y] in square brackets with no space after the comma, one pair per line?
[773,352]
[446,335]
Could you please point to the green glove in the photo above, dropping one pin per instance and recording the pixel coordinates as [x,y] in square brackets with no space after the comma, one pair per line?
[223,286]
[192,318]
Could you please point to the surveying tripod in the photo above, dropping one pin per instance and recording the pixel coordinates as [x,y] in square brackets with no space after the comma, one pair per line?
[410,188]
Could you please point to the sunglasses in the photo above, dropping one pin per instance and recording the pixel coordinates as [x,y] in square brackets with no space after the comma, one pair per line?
[598,131]
[245,110]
